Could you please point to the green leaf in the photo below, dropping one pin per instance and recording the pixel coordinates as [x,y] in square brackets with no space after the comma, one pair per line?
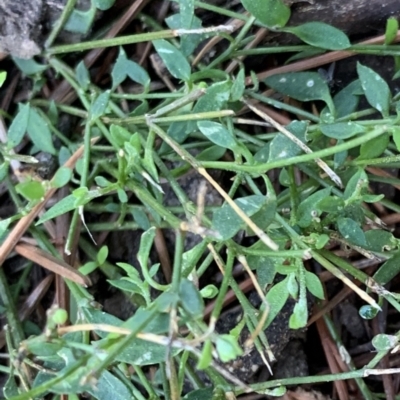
[374,147]
[3,76]
[321,35]
[104,4]
[218,134]
[29,67]
[227,348]
[380,241]
[61,177]
[300,315]
[141,218]
[376,90]
[173,59]
[346,101]
[102,255]
[272,13]
[392,26]
[359,178]
[189,43]
[342,130]
[351,231]
[19,125]
[204,360]
[80,21]
[314,285]
[340,157]
[368,312]
[4,224]
[124,68]
[200,394]
[186,11]
[302,86]
[31,190]
[146,242]
[110,387]
[383,342]
[276,299]
[293,286]
[82,75]
[238,86]
[190,299]
[396,137]
[388,270]
[39,132]
[228,223]
[308,208]
[99,106]
[209,292]
[281,147]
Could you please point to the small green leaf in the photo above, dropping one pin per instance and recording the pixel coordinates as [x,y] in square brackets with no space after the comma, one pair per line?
[380,241]
[308,208]
[228,223]
[396,137]
[302,86]
[276,299]
[300,315]
[190,299]
[358,179]
[321,35]
[388,270]
[228,348]
[124,68]
[376,90]
[205,359]
[141,218]
[272,13]
[238,86]
[19,125]
[374,147]
[39,132]
[174,60]
[88,267]
[346,101]
[146,242]
[293,286]
[31,190]
[104,4]
[80,21]
[186,11]
[61,177]
[3,76]
[209,292]
[29,67]
[383,342]
[281,147]
[100,105]
[200,394]
[392,26]
[108,387]
[218,134]
[340,157]
[351,231]
[82,75]
[314,285]
[342,130]
[102,255]
[122,196]
[4,224]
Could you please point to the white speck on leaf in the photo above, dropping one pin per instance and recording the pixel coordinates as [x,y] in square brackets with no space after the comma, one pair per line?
[310,83]
[283,80]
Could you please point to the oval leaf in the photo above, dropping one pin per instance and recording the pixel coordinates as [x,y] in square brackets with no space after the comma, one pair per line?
[351,231]
[174,60]
[376,90]
[272,13]
[342,130]
[39,132]
[321,35]
[217,134]
[303,86]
